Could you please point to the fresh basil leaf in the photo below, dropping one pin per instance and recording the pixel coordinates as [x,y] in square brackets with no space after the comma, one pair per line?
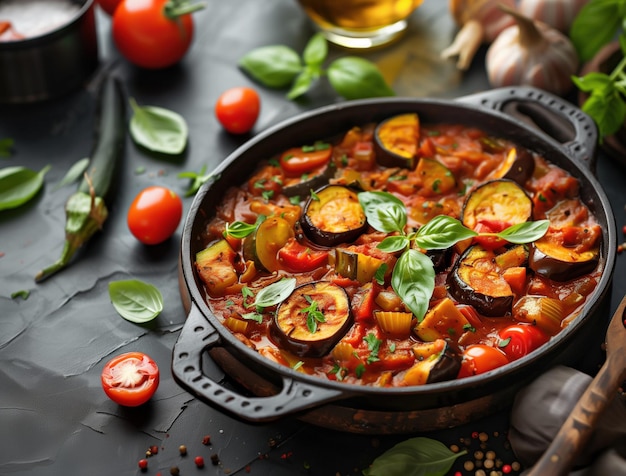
[384,212]
[442,232]
[275,292]
[414,457]
[591,81]
[526,232]
[356,78]
[302,84]
[272,66]
[608,110]
[391,244]
[239,229]
[158,129]
[413,279]
[135,300]
[6,146]
[315,51]
[18,185]
[75,172]
[595,25]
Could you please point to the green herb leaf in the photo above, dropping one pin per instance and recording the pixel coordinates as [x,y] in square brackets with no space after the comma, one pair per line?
[595,25]
[75,172]
[442,232]
[526,232]
[379,275]
[272,66]
[302,83]
[239,229]
[275,293]
[158,129]
[413,279]
[607,108]
[23,294]
[315,51]
[313,315]
[356,78]
[414,457]
[197,180]
[253,316]
[384,212]
[391,244]
[18,185]
[6,146]
[135,300]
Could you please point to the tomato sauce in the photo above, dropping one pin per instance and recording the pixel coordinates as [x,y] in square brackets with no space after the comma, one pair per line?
[538,301]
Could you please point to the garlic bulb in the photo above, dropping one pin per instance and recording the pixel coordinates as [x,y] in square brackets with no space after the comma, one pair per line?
[532,54]
[558,14]
[481,22]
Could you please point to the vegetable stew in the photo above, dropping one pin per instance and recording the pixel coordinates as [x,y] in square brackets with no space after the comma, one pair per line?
[400,254]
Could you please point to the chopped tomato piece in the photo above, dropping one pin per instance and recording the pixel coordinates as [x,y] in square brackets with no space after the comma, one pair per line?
[300,160]
[298,258]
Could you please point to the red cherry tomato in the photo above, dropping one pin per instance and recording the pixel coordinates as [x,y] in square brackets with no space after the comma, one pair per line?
[154,215]
[147,37]
[490,242]
[481,358]
[237,109]
[299,258]
[520,339]
[109,6]
[130,379]
[300,160]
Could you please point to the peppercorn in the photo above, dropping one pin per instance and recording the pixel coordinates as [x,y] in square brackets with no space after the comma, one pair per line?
[154,449]
[174,471]
[206,440]
[182,449]
[199,460]
[143,464]
[215,459]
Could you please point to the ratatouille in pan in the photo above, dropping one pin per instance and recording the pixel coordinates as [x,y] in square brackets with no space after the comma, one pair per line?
[400,254]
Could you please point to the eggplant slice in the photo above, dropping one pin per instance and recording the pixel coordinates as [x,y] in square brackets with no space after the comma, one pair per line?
[333,215]
[312,319]
[396,141]
[438,361]
[500,200]
[476,280]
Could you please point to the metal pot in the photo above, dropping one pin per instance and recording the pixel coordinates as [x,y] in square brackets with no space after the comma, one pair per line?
[557,130]
[52,64]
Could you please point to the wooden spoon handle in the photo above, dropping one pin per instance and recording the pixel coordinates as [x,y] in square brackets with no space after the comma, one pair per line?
[577,429]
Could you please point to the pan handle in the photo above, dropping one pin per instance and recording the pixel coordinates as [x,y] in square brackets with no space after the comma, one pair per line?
[552,115]
[198,336]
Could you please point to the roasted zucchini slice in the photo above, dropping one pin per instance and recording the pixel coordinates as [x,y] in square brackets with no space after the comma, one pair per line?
[216,267]
[436,178]
[357,266]
[396,141]
[333,215]
[312,319]
[476,280]
[435,362]
[263,245]
[497,201]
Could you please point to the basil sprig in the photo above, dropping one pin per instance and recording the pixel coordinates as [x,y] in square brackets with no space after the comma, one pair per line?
[414,457]
[135,300]
[279,66]
[413,277]
[597,24]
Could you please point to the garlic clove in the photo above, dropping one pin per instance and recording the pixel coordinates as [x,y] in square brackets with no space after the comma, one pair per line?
[558,14]
[532,54]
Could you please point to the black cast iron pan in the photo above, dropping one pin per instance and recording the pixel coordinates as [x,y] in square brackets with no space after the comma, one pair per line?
[535,119]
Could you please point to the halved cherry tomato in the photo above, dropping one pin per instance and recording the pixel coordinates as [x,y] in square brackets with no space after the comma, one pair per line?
[490,242]
[298,258]
[109,6]
[237,109]
[146,35]
[300,160]
[520,339]
[154,214]
[481,358]
[130,379]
